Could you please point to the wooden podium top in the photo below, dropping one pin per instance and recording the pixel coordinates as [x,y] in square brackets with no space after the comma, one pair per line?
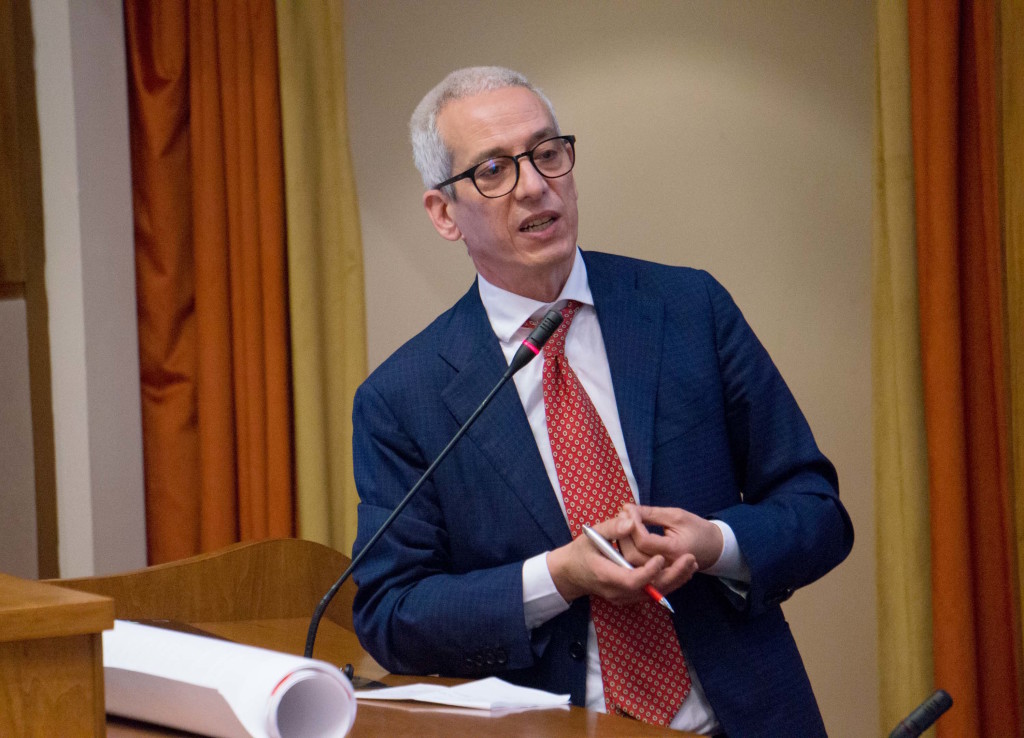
[32,610]
[263,594]
[51,666]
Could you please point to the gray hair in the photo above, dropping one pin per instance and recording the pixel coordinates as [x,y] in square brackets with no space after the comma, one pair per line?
[431,154]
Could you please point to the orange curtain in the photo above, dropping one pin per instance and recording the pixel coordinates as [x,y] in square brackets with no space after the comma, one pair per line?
[960,277]
[210,269]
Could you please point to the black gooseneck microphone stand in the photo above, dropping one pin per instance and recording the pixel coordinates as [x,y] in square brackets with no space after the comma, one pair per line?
[527,351]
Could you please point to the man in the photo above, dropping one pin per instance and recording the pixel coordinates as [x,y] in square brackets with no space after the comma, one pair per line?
[655,391]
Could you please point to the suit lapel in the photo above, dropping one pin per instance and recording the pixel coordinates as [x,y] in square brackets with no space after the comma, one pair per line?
[501,432]
[631,325]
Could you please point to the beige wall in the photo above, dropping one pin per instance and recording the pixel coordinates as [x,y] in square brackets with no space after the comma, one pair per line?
[732,136]
[81,95]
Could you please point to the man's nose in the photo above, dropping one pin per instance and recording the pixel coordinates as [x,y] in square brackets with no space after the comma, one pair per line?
[531,182]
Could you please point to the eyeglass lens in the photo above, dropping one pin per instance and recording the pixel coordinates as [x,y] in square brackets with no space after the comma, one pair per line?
[498,176]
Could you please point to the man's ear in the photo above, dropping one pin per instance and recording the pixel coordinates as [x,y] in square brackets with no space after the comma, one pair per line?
[438,207]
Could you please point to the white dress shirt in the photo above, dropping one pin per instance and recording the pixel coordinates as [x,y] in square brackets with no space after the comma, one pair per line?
[585,351]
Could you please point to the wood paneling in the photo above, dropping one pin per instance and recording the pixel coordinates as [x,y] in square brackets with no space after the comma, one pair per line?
[20,190]
[51,662]
[282,578]
[22,258]
[31,610]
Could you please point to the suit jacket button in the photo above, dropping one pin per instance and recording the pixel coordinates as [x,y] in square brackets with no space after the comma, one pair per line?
[489,657]
[500,656]
[577,650]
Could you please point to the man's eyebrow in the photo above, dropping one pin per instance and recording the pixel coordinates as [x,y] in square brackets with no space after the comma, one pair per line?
[541,135]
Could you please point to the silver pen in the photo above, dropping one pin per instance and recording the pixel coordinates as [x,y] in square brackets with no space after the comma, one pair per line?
[604,546]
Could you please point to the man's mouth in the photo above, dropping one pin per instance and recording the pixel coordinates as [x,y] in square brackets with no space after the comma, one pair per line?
[538,224]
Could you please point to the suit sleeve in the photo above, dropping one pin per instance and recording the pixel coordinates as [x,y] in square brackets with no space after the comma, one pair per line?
[413,612]
[790,526]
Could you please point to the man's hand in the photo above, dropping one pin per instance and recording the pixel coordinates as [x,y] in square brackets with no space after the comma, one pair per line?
[687,537]
[579,569]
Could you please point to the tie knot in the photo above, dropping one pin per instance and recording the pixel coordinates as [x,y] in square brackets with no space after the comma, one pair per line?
[556,344]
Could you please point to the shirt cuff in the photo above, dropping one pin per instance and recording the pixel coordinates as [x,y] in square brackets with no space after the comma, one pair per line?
[730,564]
[541,600]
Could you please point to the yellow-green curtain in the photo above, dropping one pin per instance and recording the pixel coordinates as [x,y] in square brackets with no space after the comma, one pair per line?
[325,266]
[901,476]
[1012,66]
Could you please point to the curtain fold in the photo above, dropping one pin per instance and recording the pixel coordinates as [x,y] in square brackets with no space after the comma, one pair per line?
[210,267]
[325,267]
[1012,61]
[901,476]
[953,111]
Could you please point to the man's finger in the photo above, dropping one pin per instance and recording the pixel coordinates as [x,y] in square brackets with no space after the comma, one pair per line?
[651,544]
[614,528]
[632,512]
[660,515]
[627,547]
[675,576]
[611,573]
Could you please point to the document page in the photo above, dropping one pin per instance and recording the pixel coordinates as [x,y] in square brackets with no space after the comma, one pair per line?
[485,694]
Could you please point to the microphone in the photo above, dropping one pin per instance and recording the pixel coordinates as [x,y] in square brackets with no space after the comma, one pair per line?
[530,347]
[534,342]
[923,715]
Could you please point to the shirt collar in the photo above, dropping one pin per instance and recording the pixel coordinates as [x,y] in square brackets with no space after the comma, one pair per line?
[507,311]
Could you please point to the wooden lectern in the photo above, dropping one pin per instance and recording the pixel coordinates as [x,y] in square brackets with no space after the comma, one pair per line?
[51,662]
[261,594]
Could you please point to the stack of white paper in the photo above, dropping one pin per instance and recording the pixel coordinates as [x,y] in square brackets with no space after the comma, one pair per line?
[222,689]
[485,694]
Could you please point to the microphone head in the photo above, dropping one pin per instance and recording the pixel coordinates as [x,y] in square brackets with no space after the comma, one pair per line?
[534,342]
[548,325]
[923,716]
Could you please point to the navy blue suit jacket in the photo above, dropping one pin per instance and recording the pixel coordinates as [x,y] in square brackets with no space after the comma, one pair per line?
[710,427]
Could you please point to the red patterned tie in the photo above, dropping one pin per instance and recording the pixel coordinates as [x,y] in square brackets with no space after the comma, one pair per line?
[642,664]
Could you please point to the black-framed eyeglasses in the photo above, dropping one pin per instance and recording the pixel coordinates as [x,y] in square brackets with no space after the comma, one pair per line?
[499,175]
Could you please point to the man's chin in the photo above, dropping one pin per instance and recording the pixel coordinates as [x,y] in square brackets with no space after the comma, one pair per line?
[555,255]
[553,249]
